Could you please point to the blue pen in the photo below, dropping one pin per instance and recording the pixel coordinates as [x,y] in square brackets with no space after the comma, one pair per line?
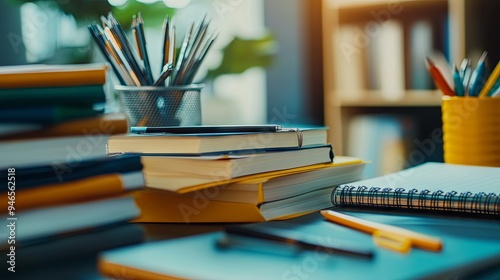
[459,88]
[478,78]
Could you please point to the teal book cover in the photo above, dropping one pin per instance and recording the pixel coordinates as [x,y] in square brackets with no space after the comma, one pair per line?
[45,114]
[464,241]
[67,95]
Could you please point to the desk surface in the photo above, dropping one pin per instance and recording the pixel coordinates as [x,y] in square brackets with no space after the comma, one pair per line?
[85,268]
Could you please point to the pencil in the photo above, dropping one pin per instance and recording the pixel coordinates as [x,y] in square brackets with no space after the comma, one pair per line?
[102,47]
[493,78]
[121,39]
[459,87]
[166,42]
[438,78]
[142,45]
[417,239]
[122,59]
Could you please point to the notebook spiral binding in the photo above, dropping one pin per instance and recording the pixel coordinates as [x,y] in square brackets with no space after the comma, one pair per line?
[478,203]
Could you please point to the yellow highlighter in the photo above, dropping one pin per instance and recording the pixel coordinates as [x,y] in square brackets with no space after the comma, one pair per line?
[390,237]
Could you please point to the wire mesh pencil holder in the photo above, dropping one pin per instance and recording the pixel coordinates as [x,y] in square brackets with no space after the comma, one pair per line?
[161,106]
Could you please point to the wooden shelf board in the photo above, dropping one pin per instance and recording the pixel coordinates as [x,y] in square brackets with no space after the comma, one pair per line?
[412,98]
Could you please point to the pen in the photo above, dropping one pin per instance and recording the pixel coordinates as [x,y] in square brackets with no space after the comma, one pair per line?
[167,69]
[166,42]
[384,232]
[478,76]
[292,238]
[182,55]
[141,44]
[465,73]
[199,60]
[492,80]
[459,87]
[438,78]
[207,129]
[463,67]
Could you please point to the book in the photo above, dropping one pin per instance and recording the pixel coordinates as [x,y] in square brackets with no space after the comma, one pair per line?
[177,173]
[255,198]
[37,225]
[38,175]
[7,129]
[431,186]
[67,248]
[57,95]
[388,60]
[39,75]
[421,45]
[93,187]
[275,186]
[61,151]
[195,144]
[111,123]
[465,241]
[48,114]
[167,207]
[350,62]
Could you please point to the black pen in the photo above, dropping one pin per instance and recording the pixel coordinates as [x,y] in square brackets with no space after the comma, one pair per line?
[290,238]
[207,129]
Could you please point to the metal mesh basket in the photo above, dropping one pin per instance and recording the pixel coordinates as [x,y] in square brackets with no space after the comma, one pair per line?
[161,106]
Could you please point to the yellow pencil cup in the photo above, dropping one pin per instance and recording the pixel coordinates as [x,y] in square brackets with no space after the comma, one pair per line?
[471,130]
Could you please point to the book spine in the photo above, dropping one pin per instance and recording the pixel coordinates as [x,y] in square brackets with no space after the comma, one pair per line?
[54,79]
[70,95]
[80,190]
[362,196]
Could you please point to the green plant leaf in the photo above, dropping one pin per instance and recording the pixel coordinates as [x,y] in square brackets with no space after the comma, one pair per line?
[243,54]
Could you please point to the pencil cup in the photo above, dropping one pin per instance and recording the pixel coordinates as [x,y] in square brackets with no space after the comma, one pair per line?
[471,130]
[161,106]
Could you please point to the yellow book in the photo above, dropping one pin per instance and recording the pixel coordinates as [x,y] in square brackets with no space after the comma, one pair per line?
[74,191]
[255,198]
[26,76]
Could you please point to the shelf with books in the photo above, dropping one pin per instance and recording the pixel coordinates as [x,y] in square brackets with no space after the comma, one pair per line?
[374,53]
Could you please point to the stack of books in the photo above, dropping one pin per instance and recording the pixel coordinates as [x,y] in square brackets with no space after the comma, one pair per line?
[55,100]
[235,177]
[64,194]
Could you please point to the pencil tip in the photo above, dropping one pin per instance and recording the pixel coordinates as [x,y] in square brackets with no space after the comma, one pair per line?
[428,61]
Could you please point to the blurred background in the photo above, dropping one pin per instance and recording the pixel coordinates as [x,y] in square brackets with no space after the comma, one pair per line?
[356,66]
[235,72]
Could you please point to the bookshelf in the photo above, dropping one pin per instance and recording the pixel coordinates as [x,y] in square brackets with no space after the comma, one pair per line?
[357,38]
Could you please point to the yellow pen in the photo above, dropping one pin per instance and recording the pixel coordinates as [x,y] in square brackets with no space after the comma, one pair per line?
[387,236]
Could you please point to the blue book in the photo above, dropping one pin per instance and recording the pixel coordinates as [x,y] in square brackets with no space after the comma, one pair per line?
[69,95]
[198,257]
[38,175]
[45,114]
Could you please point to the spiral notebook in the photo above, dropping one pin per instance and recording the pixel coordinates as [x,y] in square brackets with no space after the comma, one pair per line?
[430,186]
